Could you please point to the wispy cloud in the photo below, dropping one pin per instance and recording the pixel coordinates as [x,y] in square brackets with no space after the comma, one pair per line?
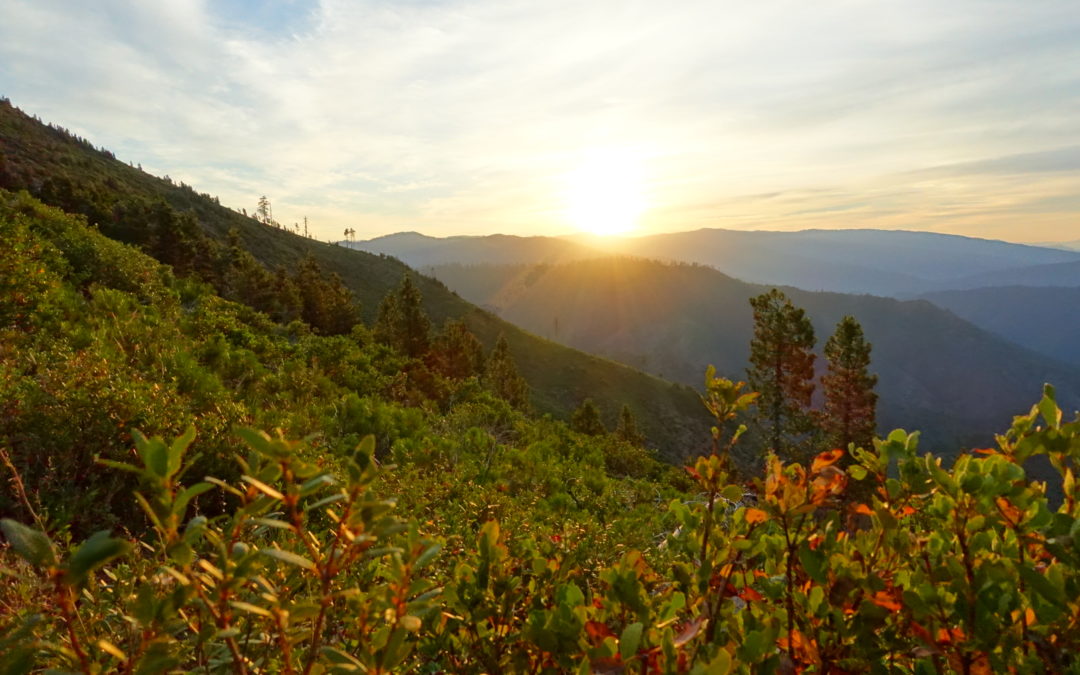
[468,116]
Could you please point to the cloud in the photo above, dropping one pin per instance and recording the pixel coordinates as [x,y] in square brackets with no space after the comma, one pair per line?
[468,116]
[1046,161]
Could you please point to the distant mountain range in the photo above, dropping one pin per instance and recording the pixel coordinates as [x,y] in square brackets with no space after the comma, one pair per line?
[880,262]
[1067,245]
[939,373]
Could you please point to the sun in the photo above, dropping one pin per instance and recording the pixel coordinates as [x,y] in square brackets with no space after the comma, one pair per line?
[606,193]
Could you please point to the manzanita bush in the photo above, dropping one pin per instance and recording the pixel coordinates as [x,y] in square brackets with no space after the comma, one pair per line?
[965,569]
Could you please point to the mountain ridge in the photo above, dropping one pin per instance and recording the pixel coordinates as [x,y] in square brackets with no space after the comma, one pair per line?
[896,263]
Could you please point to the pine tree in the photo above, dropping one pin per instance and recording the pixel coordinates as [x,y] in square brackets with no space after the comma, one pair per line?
[782,370]
[415,325]
[263,212]
[627,429]
[456,353]
[850,401]
[586,420]
[327,305]
[402,322]
[502,376]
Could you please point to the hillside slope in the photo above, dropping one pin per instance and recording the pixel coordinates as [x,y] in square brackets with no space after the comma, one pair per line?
[71,174]
[1045,319]
[938,372]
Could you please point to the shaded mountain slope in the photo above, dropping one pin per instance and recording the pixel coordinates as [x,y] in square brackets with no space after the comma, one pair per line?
[938,372]
[1061,274]
[1044,319]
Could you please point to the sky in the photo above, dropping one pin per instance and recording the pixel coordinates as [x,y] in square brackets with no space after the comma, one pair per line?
[475,117]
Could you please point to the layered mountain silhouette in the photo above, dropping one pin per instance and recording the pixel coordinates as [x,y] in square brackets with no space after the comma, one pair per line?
[881,262]
[938,372]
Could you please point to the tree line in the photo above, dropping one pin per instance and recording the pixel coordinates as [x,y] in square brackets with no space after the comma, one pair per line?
[782,371]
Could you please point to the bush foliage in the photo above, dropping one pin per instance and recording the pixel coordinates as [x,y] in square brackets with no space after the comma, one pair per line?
[966,570]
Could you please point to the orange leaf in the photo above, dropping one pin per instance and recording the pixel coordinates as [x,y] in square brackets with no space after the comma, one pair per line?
[864,509]
[825,459]
[598,631]
[921,632]
[750,595]
[950,635]
[756,516]
[1011,513]
[887,600]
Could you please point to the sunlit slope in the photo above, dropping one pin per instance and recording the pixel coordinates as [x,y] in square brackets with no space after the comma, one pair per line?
[938,372]
[80,179]
[419,251]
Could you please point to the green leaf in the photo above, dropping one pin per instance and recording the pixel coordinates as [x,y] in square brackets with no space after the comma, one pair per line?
[250,608]
[273,522]
[1043,587]
[857,471]
[153,452]
[99,549]
[325,500]
[630,640]
[180,505]
[289,557]
[262,444]
[1049,409]
[31,545]
[721,665]
[223,485]
[427,556]
[176,451]
[121,466]
[343,662]
[732,493]
[814,562]
[263,487]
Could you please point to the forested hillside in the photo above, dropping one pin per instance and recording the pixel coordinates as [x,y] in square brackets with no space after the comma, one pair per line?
[194,234]
[938,372]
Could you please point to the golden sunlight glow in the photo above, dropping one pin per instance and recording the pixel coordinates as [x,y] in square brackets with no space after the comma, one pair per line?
[606,194]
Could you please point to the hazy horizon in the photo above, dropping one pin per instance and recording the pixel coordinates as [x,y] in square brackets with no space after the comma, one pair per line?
[479,117]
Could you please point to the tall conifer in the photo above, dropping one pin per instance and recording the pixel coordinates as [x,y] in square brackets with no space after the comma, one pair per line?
[402,322]
[850,401]
[782,370]
[502,376]
[586,419]
[627,428]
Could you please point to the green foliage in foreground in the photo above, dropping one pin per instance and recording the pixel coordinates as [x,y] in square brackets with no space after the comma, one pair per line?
[965,570]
